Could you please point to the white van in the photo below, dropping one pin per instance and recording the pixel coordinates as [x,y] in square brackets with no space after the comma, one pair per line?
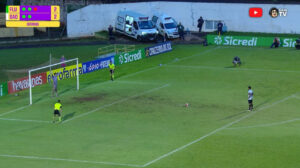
[166,25]
[135,25]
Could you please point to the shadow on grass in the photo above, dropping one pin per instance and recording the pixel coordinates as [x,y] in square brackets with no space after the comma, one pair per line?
[42,97]
[240,113]
[69,115]
[64,91]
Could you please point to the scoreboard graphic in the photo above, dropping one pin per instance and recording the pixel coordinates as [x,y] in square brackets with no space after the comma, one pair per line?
[32,16]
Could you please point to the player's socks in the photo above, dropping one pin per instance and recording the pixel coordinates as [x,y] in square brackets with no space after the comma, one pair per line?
[59,119]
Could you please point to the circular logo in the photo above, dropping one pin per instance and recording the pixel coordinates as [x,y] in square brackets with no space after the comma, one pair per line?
[218,40]
[273,12]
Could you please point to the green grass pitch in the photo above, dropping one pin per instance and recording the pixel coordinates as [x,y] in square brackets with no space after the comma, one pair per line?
[140,119]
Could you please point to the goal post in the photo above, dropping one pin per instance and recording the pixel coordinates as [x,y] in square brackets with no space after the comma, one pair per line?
[49,66]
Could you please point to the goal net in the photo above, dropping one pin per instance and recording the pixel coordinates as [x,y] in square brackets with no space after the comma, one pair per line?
[53,74]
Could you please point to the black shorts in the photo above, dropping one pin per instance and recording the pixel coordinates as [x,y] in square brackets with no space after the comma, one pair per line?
[111,71]
[250,101]
[56,112]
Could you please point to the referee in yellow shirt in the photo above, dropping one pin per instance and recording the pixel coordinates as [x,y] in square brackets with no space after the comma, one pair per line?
[57,111]
[111,70]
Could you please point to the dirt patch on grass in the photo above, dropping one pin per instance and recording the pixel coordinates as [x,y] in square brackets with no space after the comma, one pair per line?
[89,98]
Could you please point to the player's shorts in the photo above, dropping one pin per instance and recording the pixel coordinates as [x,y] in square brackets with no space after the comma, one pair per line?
[236,62]
[111,71]
[250,101]
[56,112]
[55,88]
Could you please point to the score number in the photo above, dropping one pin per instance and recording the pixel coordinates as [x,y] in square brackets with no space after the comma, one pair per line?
[55,13]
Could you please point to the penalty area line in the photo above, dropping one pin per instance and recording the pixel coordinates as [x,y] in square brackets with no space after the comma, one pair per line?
[116,102]
[22,120]
[15,110]
[68,160]
[215,131]
[266,125]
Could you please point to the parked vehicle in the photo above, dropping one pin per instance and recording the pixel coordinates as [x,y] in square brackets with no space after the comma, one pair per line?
[135,25]
[166,26]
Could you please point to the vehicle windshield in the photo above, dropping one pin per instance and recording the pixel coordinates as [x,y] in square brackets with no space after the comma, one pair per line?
[170,25]
[146,24]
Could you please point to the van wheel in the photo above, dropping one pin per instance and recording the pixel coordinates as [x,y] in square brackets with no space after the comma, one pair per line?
[139,38]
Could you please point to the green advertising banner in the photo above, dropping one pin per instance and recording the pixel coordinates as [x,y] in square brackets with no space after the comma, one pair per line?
[3,89]
[127,57]
[248,41]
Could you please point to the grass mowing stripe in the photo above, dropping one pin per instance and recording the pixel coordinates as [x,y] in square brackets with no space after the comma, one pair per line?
[267,125]
[233,69]
[15,119]
[215,131]
[12,111]
[118,101]
[69,160]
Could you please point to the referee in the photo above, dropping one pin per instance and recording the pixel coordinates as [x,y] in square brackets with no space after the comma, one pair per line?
[111,70]
[57,111]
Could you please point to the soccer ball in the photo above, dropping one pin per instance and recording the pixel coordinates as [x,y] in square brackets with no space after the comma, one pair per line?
[186,104]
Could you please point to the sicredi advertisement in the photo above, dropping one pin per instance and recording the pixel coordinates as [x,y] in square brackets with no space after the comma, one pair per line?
[3,89]
[127,57]
[158,49]
[98,64]
[249,41]
[65,72]
[23,83]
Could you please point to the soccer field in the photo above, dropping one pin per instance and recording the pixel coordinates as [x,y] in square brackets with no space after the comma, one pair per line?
[140,119]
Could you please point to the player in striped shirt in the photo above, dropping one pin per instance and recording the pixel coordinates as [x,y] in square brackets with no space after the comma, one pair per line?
[250,98]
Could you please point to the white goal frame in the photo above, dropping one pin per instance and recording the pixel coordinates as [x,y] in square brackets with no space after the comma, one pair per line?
[44,67]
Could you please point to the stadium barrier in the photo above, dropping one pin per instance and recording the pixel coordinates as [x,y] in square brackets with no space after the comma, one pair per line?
[23,83]
[249,41]
[97,64]
[126,57]
[3,89]
[158,49]
[65,72]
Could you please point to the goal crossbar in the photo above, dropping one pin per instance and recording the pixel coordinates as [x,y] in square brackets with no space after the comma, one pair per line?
[44,67]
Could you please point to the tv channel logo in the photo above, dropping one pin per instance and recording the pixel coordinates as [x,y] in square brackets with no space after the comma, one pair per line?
[275,12]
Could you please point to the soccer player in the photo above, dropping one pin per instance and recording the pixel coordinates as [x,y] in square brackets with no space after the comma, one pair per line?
[111,70]
[250,98]
[57,111]
[236,61]
[54,88]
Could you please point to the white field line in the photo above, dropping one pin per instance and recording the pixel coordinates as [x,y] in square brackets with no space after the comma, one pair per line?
[68,160]
[215,131]
[267,125]
[232,69]
[22,120]
[15,110]
[116,102]
[296,97]
[137,82]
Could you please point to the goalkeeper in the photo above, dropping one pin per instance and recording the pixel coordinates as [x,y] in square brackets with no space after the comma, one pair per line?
[57,111]
[111,70]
